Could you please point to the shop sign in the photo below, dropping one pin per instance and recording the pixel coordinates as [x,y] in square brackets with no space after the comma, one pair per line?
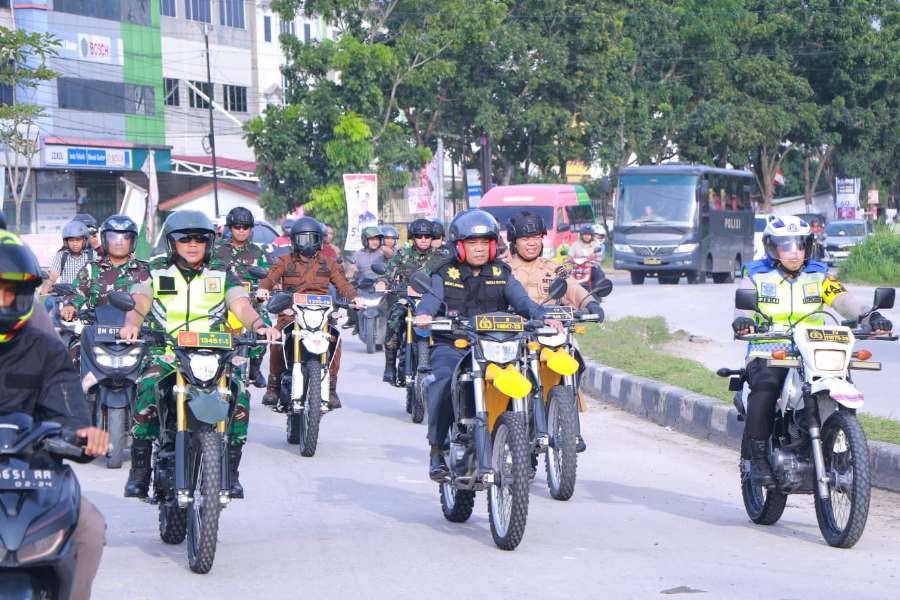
[80,156]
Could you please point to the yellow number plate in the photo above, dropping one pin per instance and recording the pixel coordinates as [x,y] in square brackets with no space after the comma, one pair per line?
[209,339]
[499,323]
[652,261]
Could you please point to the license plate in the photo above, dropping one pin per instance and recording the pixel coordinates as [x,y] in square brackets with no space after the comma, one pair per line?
[25,479]
[560,313]
[828,335]
[652,261]
[499,323]
[204,339]
[107,334]
[312,299]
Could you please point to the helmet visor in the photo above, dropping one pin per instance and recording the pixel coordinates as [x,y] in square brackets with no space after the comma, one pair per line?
[18,303]
[306,238]
[199,235]
[793,244]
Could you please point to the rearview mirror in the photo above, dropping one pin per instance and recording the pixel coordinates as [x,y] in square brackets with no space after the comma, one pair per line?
[563,227]
[603,289]
[257,272]
[121,300]
[746,299]
[379,268]
[63,289]
[420,282]
[279,302]
[884,298]
[558,288]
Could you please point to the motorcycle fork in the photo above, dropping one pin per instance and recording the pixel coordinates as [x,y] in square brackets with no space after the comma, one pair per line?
[182,437]
[537,399]
[483,446]
[225,470]
[408,351]
[296,369]
[811,405]
[326,372]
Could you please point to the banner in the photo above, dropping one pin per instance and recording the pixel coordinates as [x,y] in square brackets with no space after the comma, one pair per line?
[423,195]
[846,201]
[473,187]
[361,192]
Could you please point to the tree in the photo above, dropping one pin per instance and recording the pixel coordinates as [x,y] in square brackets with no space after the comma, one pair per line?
[23,67]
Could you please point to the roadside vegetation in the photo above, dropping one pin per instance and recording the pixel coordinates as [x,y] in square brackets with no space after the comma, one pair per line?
[637,345]
[876,261]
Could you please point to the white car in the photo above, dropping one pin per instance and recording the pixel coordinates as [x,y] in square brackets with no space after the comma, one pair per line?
[759,226]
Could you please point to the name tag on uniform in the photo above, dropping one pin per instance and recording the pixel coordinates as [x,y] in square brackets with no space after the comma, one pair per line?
[213,285]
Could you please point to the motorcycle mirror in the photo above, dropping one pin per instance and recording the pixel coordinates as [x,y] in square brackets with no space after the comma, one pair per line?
[279,302]
[558,288]
[421,282]
[884,298]
[746,299]
[121,300]
[564,227]
[257,272]
[379,268]
[63,289]
[603,289]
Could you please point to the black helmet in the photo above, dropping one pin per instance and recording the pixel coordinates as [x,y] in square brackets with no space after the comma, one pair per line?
[306,236]
[586,229]
[369,233]
[523,224]
[437,230]
[474,223]
[118,224]
[286,226]
[420,227]
[89,221]
[187,222]
[239,216]
[19,266]
[390,231]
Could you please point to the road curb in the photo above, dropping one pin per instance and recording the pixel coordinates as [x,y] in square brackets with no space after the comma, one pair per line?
[703,417]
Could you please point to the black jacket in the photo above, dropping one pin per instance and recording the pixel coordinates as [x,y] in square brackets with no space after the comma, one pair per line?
[38,378]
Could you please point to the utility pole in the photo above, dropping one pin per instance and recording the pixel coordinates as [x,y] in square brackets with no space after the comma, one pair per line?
[487,140]
[212,129]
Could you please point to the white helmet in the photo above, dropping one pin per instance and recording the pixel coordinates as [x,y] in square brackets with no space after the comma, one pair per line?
[787,234]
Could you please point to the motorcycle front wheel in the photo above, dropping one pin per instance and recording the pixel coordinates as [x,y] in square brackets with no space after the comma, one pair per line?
[457,505]
[311,414]
[367,334]
[416,392]
[203,513]
[764,505]
[561,459]
[842,518]
[117,425]
[508,495]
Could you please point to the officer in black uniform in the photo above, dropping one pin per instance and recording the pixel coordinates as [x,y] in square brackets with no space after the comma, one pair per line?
[472,281]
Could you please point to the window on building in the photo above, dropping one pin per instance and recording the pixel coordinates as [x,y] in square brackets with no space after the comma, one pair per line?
[139,99]
[198,10]
[167,8]
[288,27]
[307,32]
[105,96]
[196,100]
[235,98]
[231,13]
[170,86]
[6,93]
[267,28]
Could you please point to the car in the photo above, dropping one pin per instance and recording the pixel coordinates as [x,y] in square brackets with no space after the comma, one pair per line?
[841,237]
[759,226]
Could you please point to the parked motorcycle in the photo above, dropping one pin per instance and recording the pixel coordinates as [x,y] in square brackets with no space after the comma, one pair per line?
[39,504]
[817,444]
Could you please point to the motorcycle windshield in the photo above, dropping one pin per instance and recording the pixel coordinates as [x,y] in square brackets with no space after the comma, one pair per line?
[107,314]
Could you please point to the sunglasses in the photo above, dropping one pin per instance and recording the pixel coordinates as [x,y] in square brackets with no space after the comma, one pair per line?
[242,227]
[423,237]
[197,238]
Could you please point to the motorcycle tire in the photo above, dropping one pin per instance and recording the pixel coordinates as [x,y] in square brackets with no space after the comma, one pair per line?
[203,513]
[367,332]
[117,425]
[312,409]
[561,458]
[764,506]
[416,404]
[847,460]
[457,505]
[172,522]
[293,428]
[508,495]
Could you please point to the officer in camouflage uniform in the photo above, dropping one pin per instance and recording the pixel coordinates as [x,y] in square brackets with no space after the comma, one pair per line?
[186,291]
[412,258]
[239,252]
[116,270]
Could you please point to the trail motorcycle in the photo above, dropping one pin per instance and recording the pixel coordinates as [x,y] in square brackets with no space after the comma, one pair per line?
[488,444]
[191,475]
[412,359]
[817,445]
[305,387]
[241,360]
[39,505]
[554,361]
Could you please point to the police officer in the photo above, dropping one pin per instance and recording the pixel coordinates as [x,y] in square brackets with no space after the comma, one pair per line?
[788,285]
[471,282]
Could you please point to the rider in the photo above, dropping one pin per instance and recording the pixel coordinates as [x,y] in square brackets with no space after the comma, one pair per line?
[307,271]
[361,265]
[72,257]
[91,223]
[410,259]
[116,270]
[789,286]
[471,282]
[186,291]
[391,236]
[240,252]
[39,379]
[588,245]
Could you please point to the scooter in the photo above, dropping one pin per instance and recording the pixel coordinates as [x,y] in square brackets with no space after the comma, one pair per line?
[372,318]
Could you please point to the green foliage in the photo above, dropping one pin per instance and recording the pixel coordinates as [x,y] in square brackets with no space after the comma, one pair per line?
[328,206]
[875,261]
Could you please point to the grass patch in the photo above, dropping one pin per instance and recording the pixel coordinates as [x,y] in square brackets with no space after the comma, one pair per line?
[876,261]
[634,344]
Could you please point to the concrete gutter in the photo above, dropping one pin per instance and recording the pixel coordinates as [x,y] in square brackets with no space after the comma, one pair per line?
[704,417]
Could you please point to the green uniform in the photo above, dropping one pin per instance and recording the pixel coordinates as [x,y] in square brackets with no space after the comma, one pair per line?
[196,302]
[239,258]
[98,278]
[399,271]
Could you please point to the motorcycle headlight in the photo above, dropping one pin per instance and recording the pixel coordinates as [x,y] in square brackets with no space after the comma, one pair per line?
[500,352]
[622,248]
[204,366]
[684,248]
[555,340]
[117,361]
[41,548]
[312,319]
[829,360]
[371,302]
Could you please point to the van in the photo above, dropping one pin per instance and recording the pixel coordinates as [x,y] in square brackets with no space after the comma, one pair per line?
[563,207]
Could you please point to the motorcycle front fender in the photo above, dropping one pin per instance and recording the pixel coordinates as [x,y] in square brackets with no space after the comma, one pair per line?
[840,390]
[208,406]
[371,312]
[115,397]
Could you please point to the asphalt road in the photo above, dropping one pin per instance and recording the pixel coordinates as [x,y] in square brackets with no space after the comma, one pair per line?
[655,514]
[707,311]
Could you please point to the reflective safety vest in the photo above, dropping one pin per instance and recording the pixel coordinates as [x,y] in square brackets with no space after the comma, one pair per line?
[179,305]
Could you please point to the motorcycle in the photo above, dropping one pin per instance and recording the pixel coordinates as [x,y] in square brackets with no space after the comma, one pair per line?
[554,361]
[251,285]
[304,390]
[817,444]
[488,447]
[412,359]
[39,505]
[69,331]
[191,476]
[582,269]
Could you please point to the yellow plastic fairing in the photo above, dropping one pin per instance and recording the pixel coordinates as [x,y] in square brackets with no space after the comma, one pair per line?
[560,361]
[508,380]
[234,324]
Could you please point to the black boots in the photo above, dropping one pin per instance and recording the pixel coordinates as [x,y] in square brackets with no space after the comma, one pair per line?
[334,402]
[760,469]
[390,367]
[234,461]
[138,483]
[270,398]
[437,468]
[256,376]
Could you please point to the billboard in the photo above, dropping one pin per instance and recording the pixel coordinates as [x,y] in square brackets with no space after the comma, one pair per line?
[361,193]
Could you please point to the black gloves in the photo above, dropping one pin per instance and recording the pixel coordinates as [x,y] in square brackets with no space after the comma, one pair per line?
[742,323]
[879,323]
[595,309]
